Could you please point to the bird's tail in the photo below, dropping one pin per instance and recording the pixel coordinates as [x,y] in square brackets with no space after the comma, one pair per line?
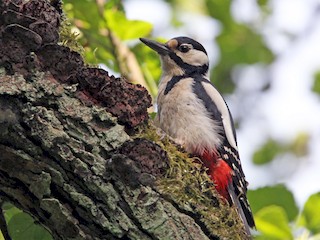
[243,208]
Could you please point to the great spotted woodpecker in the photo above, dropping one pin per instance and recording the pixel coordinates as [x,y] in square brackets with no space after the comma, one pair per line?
[195,115]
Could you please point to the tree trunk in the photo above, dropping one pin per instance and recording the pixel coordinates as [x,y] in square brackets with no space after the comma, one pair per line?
[77,153]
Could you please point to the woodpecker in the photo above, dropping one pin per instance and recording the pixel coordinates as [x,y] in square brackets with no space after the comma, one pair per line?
[196,116]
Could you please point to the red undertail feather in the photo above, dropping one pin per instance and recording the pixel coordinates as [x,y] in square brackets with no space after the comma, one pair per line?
[219,171]
[229,184]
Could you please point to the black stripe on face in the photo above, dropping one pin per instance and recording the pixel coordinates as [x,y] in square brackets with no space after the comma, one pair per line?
[173,81]
[189,70]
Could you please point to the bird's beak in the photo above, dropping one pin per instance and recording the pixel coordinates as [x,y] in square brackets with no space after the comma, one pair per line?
[160,48]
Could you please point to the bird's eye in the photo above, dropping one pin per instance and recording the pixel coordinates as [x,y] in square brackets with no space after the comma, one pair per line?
[184,48]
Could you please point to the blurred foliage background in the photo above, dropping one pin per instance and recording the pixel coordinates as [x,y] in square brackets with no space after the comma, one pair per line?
[105,36]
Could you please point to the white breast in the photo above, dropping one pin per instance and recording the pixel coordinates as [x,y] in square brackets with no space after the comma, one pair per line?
[183,116]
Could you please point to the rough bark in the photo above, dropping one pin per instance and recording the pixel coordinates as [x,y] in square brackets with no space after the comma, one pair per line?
[70,154]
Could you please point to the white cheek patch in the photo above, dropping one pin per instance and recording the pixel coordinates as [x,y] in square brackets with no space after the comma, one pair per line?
[194,57]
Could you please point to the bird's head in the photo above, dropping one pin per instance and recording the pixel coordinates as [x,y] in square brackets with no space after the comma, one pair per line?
[181,56]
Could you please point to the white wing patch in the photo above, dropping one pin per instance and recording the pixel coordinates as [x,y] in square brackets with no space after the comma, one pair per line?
[223,109]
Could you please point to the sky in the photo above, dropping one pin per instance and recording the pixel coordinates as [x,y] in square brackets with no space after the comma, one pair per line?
[292,32]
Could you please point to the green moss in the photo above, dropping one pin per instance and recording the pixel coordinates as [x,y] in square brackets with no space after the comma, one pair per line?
[69,38]
[187,183]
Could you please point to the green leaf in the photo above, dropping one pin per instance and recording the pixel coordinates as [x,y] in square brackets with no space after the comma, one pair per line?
[21,226]
[126,29]
[316,84]
[114,4]
[277,195]
[220,10]
[86,13]
[310,216]
[10,210]
[239,45]
[152,115]
[263,3]
[273,223]
[300,145]
[1,236]
[269,150]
